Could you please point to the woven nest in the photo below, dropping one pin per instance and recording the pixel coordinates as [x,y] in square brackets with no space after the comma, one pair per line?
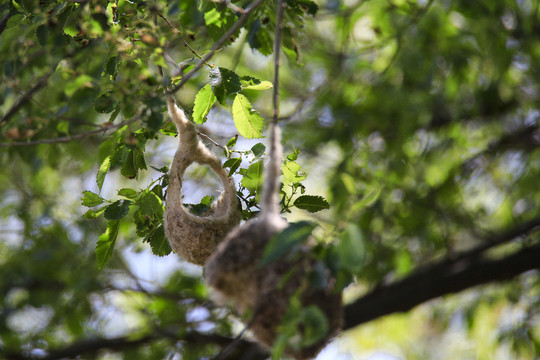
[190,236]
[234,273]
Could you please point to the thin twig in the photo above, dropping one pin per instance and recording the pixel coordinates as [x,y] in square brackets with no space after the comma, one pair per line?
[233,7]
[26,97]
[216,46]
[4,21]
[183,39]
[66,139]
[270,189]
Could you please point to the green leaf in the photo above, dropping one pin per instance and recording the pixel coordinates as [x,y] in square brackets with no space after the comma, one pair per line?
[117,210]
[158,242]
[286,241]
[203,103]
[232,164]
[232,141]
[105,103]
[252,179]
[351,249]
[42,32]
[371,195]
[247,120]
[292,172]
[103,170]
[128,193]
[111,66]
[202,207]
[315,325]
[93,214]
[309,6]
[258,149]
[311,203]
[105,244]
[90,199]
[251,83]
[151,205]
[224,83]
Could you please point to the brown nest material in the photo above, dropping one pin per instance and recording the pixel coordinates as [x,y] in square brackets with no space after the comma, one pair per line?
[195,237]
[262,294]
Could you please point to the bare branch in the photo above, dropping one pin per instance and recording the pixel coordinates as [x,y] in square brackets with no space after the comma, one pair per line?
[449,276]
[3,22]
[93,346]
[216,46]
[66,139]
[26,97]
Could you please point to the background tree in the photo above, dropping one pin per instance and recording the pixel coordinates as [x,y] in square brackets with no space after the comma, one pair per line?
[416,120]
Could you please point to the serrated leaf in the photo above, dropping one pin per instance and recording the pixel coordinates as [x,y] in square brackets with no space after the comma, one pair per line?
[117,210]
[232,164]
[151,205]
[111,66]
[102,172]
[286,241]
[90,199]
[158,242]
[203,103]
[105,244]
[292,172]
[42,32]
[252,179]
[311,203]
[251,83]
[351,249]
[258,149]
[93,214]
[247,120]
[129,193]
[128,167]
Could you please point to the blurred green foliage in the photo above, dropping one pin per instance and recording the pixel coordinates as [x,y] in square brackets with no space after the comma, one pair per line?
[415,122]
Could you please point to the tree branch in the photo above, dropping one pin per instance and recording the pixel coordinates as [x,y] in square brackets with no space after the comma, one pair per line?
[244,350]
[65,139]
[438,280]
[25,98]
[3,22]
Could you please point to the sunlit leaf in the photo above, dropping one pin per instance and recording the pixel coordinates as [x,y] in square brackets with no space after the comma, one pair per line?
[105,244]
[252,179]
[90,199]
[247,120]
[203,103]
[102,172]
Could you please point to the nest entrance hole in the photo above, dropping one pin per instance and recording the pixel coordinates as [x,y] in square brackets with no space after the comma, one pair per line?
[200,181]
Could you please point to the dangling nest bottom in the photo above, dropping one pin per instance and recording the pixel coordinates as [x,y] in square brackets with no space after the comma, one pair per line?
[262,294]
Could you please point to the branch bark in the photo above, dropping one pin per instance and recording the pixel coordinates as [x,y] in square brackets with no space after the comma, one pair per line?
[437,280]
[244,350]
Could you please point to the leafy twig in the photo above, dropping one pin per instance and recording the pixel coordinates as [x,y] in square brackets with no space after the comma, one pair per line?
[216,46]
